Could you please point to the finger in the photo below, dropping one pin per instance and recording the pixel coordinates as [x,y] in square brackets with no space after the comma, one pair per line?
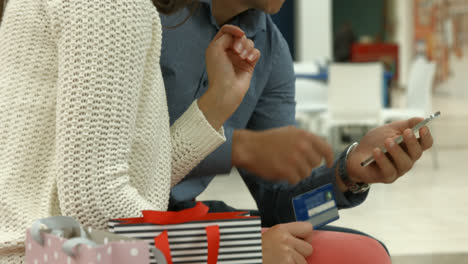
[245,68]
[304,168]
[248,47]
[238,46]
[298,258]
[412,144]
[414,121]
[242,46]
[322,148]
[425,138]
[298,229]
[302,247]
[230,30]
[400,158]
[224,42]
[388,171]
[253,56]
[313,158]
[289,174]
[294,178]
[404,124]
[306,150]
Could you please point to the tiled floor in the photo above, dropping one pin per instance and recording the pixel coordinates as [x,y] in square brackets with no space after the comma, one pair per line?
[431,259]
[423,217]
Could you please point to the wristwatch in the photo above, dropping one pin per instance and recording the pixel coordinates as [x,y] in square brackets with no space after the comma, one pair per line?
[353,187]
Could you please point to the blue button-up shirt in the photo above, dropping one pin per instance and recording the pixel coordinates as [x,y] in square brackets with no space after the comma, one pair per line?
[269,103]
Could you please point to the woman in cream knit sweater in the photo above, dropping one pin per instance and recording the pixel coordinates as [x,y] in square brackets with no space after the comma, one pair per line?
[84,127]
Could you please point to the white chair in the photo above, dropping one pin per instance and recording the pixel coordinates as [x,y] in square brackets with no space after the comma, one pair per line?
[419,93]
[354,98]
[306,68]
[311,96]
[419,98]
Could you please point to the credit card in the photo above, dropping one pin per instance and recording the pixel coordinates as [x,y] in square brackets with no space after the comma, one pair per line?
[317,206]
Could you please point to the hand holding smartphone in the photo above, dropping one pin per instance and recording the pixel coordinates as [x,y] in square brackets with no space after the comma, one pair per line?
[399,139]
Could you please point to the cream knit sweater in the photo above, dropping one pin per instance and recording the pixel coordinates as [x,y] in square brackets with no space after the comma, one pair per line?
[84,126]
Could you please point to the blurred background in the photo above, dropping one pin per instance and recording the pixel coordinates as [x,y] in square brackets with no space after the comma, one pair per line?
[362,63]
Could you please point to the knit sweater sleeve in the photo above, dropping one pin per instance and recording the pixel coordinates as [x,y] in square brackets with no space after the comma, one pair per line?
[102,47]
[193,138]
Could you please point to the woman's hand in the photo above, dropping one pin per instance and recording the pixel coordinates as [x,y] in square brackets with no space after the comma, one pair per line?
[284,243]
[230,62]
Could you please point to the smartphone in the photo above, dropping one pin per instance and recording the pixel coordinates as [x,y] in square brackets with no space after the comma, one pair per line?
[399,139]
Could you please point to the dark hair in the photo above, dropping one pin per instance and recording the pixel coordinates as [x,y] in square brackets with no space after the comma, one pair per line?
[168,7]
[2,7]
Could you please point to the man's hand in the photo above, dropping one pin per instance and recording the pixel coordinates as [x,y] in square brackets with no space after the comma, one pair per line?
[285,153]
[284,244]
[400,159]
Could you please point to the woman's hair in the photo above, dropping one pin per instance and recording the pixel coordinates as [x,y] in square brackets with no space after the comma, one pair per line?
[2,6]
[168,7]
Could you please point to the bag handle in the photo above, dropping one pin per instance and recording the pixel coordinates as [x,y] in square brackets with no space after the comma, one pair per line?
[213,237]
[70,245]
[57,225]
[158,255]
[161,242]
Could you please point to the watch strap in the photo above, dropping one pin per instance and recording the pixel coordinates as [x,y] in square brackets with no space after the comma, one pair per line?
[343,172]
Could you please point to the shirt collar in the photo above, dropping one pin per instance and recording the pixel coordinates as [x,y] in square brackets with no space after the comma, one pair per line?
[251,21]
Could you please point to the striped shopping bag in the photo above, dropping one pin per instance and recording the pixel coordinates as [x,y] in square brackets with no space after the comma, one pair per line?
[195,236]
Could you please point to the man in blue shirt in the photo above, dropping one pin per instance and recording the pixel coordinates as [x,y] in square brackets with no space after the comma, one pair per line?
[261,140]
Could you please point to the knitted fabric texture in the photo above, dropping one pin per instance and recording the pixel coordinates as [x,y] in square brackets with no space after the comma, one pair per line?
[84,125]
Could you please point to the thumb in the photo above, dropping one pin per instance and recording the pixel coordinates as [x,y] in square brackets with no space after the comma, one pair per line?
[299,229]
[231,30]
[404,124]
